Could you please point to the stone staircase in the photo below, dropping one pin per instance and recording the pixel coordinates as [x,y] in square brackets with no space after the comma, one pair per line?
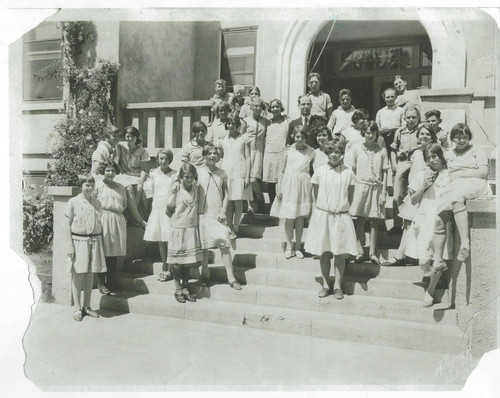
[382,305]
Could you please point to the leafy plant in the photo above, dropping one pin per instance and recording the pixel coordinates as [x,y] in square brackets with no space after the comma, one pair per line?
[37,222]
[88,106]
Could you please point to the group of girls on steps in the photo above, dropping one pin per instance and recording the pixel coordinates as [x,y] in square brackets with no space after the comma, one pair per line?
[338,188]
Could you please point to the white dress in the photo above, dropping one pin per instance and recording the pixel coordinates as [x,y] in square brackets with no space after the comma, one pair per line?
[331,228]
[129,163]
[296,185]
[275,151]
[114,225]
[212,232]
[158,228]
[420,235]
[320,159]
[235,166]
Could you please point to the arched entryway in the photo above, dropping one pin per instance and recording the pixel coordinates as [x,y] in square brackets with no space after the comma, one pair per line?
[446,41]
[364,56]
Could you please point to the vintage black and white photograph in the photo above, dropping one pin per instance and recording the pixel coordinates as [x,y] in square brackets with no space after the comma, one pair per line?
[256,199]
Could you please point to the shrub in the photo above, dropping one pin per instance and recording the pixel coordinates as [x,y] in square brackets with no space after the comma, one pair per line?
[37,222]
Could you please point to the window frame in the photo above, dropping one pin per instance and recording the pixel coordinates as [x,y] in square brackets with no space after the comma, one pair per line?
[245,29]
[26,41]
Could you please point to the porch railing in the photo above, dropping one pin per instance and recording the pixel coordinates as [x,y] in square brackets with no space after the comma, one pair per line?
[166,124]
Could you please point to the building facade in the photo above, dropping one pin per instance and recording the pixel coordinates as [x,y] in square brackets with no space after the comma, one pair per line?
[168,66]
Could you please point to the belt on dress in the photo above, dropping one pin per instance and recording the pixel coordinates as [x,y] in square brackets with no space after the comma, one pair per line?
[85,235]
[332,212]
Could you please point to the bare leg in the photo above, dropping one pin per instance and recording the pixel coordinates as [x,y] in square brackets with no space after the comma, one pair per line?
[88,281]
[462,223]
[238,213]
[359,225]
[205,272]
[228,264]
[132,204]
[230,214]
[325,264]
[76,289]
[440,237]
[404,237]
[339,264]
[163,254]
[299,229]
[289,223]
[373,236]
[257,194]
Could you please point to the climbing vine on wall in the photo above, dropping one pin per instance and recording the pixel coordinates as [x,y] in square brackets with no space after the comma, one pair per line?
[88,104]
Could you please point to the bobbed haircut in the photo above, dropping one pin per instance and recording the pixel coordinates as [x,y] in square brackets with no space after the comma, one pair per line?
[208,147]
[396,77]
[234,118]
[85,178]
[459,129]
[432,133]
[255,89]
[165,151]
[299,130]
[314,74]
[187,168]
[373,127]
[323,129]
[335,145]
[357,115]
[282,109]
[434,149]
[106,165]
[345,91]
[134,132]
[198,127]
[220,105]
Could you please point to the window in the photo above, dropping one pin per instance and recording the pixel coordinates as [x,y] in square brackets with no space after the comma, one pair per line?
[42,63]
[238,56]
[377,59]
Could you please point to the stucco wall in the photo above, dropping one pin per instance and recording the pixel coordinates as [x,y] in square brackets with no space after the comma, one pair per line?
[480,58]
[476,286]
[156,61]
[206,59]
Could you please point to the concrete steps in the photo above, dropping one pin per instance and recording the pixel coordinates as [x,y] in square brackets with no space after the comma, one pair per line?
[362,305]
[382,305]
[329,325]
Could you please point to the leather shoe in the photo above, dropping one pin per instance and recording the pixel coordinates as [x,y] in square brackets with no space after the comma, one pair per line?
[324,292]
[338,294]
[90,312]
[395,262]
[180,297]
[104,290]
[190,297]
[235,285]
[77,315]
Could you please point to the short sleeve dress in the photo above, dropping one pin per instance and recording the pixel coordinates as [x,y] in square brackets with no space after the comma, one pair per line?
[331,228]
[211,184]
[129,163]
[296,185]
[86,232]
[275,150]
[235,166]
[113,198]
[370,167]
[462,189]
[184,244]
[256,131]
[158,228]
[407,211]
[421,233]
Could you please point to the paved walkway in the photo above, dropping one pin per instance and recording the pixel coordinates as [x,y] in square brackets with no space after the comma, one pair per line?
[138,352]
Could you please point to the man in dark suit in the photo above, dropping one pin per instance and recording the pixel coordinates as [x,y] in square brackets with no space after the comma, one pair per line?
[310,122]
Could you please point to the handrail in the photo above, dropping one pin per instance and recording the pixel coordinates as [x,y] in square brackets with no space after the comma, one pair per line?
[166,105]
